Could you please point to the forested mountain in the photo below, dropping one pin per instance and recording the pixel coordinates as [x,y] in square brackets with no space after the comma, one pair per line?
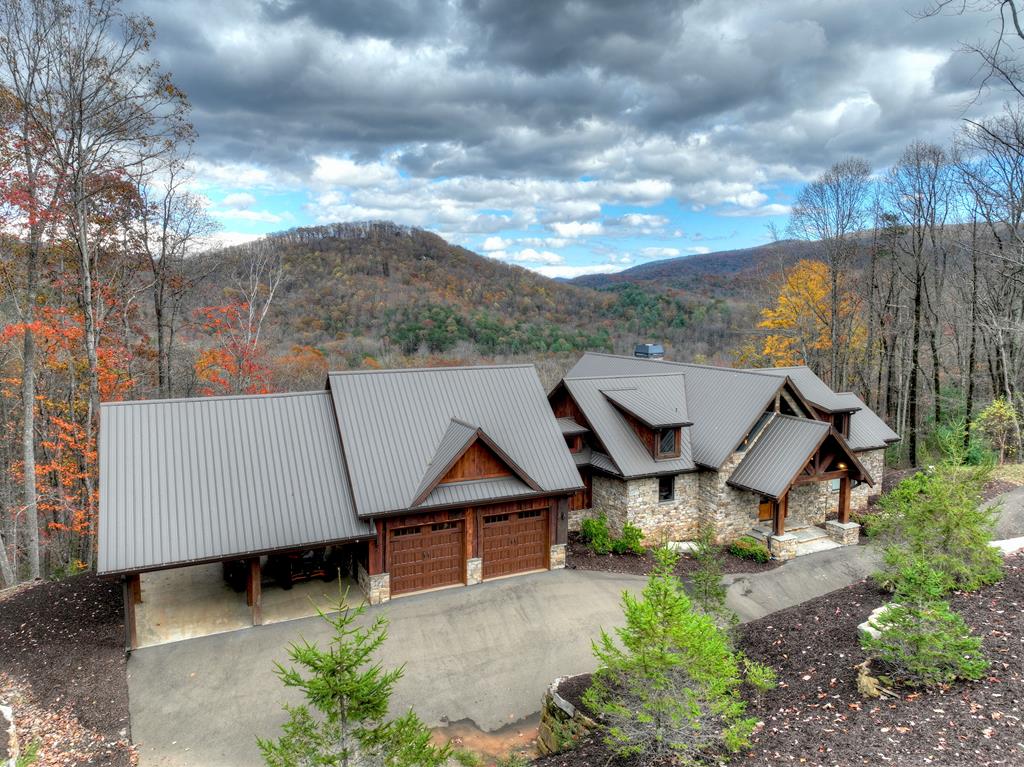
[724,273]
[367,289]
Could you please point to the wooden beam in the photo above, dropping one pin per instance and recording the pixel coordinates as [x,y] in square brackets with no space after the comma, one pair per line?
[131,632]
[779,515]
[844,499]
[254,591]
[375,562]
[135,585]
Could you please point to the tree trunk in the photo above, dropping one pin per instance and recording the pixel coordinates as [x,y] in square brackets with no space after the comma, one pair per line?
[937,405]
[28,404]
[915,363]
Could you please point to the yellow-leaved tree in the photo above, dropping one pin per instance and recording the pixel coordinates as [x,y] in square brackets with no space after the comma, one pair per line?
[800,321]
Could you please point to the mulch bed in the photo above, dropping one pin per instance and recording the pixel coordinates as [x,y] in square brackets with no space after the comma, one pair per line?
[580,557]
[817,717]
[62,654]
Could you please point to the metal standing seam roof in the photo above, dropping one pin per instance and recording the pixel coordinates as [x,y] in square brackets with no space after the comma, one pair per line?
[783,448]
[476,491]
[867,430]
[392,422]
[630,457]
[456,438]
[814,390]
[653,413]
[722,403]
[570,428]
[184,481]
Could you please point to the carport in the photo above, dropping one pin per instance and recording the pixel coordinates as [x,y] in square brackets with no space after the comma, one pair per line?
[187,485]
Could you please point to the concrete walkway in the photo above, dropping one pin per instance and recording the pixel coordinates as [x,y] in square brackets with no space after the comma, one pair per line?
[1010,522]
[483,654]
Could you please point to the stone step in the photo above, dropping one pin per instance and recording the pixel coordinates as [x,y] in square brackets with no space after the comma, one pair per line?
[815,545]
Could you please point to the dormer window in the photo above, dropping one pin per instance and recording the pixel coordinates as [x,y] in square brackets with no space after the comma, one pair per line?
[668,443]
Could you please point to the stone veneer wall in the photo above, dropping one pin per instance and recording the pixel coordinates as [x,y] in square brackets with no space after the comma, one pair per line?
[734,511]
[636,501]
[874,462]
[809,504]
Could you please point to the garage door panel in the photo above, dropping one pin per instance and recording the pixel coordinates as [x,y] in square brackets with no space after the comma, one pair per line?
[426,556]
[515,542]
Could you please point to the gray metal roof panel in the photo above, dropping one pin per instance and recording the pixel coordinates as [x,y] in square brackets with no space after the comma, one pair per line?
[199,479]
[813,389]
[629,455]
[779,453]
[722,403]
[867,430]
[569,427]
[654,413]
[476,491]
[603,462]
[391,422]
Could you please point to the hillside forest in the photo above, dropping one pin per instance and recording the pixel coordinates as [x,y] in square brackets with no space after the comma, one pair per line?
[904,284]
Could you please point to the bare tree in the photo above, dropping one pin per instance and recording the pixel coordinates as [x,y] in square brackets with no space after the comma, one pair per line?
[918,198]
[173,224]
[834,209]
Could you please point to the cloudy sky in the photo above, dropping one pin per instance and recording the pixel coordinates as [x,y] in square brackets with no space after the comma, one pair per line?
[568,137]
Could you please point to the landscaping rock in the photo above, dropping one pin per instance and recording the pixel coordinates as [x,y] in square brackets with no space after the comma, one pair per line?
[8,738]
[561,723]
[877,617]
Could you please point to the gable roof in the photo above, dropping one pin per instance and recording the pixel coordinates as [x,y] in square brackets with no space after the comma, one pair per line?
[629,456]
[191,480]
[781,451]
[814,390]
[654,414]
[456,440]
[867,430]
[722,403]
[393,422]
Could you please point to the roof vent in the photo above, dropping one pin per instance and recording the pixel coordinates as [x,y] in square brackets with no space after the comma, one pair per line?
[649,351]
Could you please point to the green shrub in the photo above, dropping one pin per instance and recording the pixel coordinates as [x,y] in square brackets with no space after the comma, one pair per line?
[937,516]
[923,643]
[668,690]
[513,759]
[706,587]
[467,758]
[631,541]
[748,547]
[595,534]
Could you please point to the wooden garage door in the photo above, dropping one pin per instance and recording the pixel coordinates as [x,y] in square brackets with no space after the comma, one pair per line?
[426,556]
[515,541]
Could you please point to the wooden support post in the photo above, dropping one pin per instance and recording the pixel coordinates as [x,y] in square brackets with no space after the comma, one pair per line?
[375,560]
[135,586]
[131,639]
[254,592]
[779,515]
[844,499]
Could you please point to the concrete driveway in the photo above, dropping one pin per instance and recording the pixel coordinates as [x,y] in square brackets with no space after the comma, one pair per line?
[483,654]
[1010,522]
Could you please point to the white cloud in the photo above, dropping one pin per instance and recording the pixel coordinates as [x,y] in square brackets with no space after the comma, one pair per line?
[568,272]
[228,239]
[659,252]
[528,256]
[699,250]
[772,209]
[262,216]
[239,200]
[495,243]
[341,171]
[573,229]
[237,175]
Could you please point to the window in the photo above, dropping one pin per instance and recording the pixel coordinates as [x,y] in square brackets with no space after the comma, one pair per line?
[405,531]
[834,485]
[529,514]
[666,489]
[667,442]
[444,526]
[495,518]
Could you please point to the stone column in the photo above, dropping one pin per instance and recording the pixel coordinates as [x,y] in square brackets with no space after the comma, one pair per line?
[783,547]
[557,557]
[843,533]
[474,570]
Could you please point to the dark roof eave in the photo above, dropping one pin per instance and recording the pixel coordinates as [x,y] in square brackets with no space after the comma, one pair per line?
[463,504]
[241,555]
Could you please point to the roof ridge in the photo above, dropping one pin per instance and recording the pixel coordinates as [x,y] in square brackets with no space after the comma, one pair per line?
[216,398]
[622,375]
[505,366]
[678,364]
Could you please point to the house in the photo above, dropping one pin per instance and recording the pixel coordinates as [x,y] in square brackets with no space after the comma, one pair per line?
[425,478]
[664,446]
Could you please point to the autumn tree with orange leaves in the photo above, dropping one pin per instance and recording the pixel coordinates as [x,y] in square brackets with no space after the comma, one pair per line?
[801,325]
